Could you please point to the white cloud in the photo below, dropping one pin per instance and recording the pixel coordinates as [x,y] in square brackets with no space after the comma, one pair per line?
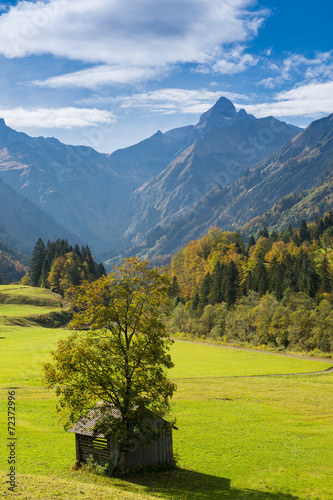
[92,78]
[168,100]
[130,34]
[66,118]
[311,69]
[234,61]
[313,99]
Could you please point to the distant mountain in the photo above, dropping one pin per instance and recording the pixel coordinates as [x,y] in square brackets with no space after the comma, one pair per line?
[75,185]
[22,222]
[231,143]
[113,201]
[303,166]
[292,209]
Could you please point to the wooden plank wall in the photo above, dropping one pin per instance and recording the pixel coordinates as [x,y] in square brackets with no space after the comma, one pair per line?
[154,453]
[99,448]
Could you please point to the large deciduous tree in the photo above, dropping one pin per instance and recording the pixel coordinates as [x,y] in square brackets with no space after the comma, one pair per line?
[118,352]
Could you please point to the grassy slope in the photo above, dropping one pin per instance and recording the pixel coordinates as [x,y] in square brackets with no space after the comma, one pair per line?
[239,437]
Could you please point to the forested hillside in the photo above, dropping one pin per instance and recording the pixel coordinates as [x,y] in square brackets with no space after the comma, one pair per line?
[13,265]
[276,291]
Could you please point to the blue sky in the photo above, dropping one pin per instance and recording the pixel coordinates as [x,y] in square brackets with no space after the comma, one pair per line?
[110,73]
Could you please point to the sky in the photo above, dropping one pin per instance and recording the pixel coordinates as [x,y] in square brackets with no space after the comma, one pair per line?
[110,73]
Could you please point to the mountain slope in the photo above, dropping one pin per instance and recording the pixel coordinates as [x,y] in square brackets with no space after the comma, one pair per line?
[13,265]
[304,163]
[90,193]
[292,209]
[73,184]
[22,222]
[217,159]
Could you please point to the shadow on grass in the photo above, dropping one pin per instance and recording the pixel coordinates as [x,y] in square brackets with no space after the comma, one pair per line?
[187,485]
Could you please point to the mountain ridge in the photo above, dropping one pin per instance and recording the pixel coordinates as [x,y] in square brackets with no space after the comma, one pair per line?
[305,162]
[96,194]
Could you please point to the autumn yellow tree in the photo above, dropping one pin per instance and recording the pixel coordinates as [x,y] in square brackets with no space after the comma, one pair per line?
[118,353]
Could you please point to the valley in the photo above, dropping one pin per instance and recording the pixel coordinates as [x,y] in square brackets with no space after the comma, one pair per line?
[257,432]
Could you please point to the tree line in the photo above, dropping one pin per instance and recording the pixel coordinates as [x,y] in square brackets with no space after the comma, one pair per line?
[220,272]
[58,266]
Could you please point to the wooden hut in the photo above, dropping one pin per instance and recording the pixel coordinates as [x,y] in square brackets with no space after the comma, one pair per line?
[104,446]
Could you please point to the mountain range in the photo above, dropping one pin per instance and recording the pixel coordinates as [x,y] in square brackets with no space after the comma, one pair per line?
[294,183]
[125,201]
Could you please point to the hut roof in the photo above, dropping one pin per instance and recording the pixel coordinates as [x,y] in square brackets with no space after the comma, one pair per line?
[85,426]
[95,417]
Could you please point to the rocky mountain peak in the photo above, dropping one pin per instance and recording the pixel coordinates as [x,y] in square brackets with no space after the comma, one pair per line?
[222,114]
[222,109]
[2,123]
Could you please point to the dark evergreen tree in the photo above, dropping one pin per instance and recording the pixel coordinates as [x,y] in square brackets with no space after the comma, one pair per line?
[205,291]
[174,287]
[291,274]
[36,262]
[50,253]
[307,277]
[288,235]
[324,277]
[101,269]
[195,302]
[274,236]
[320,228]
[276,278]
[263,233]
[2,281]
[250,243]
[230,285]
[260,278]
[77,252]
[216,294]
[303,232]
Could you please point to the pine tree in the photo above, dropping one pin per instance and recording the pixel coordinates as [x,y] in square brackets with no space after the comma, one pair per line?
[76,251]
[205,291]
[250,243]
[307,276]
[290,280]
[263,233]
[259,277]
[325,280]
[303,232]
[216,295]
[195,302]
[101,270]
[231,283]
[36,262]
[173,288]
[276,277]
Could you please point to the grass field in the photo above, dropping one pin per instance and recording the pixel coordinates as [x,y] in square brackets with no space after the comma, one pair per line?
[240,436]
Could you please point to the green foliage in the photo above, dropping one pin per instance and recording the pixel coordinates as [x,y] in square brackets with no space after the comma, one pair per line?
[296,262]
[280,425]
[117,354]
[36,262]
[60,267]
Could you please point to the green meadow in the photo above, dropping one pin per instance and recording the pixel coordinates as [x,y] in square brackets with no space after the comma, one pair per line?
[251,425]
